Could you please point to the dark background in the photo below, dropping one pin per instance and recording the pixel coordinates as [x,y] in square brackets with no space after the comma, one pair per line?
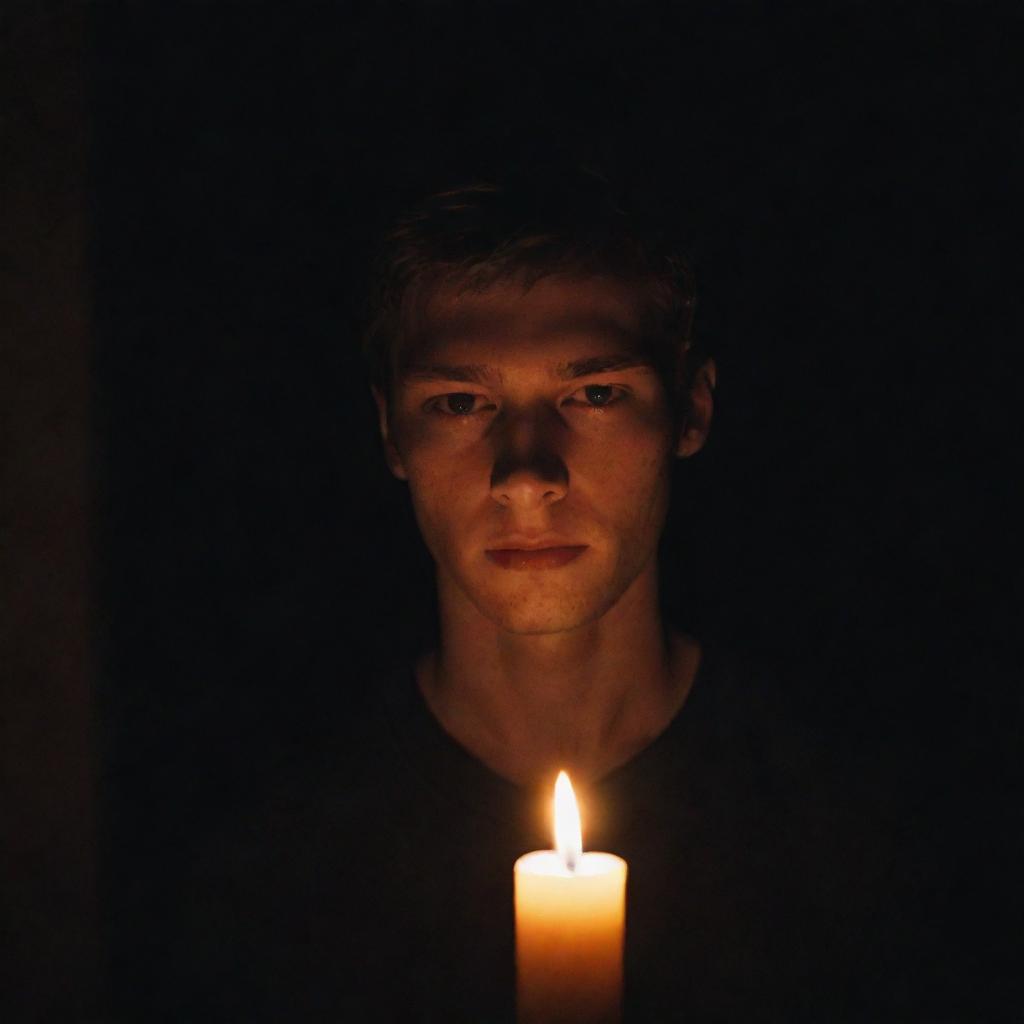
[842,174]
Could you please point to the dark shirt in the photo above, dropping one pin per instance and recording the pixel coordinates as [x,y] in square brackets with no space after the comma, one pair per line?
[375,882]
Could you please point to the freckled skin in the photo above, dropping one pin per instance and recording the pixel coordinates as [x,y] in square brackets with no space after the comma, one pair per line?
[536,455]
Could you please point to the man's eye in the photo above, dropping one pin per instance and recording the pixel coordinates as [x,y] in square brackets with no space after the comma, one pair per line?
[457,404]
[598,396]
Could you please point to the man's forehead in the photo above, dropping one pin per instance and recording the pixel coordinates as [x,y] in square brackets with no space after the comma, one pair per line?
[570,328]
[595,307]
[554,341]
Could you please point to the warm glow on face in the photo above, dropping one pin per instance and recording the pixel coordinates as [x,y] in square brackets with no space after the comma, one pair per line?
[525,451]
[568,835]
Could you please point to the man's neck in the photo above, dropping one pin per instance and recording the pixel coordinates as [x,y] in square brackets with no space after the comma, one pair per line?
[587,700]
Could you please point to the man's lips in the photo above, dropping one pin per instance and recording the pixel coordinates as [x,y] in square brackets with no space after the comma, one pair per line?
[536,558]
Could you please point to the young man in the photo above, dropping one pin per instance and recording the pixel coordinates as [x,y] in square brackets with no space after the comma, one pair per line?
[535,378]
[533,391]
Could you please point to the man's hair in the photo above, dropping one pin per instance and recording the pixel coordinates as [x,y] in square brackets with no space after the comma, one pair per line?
[523,229]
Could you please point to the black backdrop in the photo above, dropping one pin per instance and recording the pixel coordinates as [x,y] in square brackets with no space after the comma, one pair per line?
[842,172]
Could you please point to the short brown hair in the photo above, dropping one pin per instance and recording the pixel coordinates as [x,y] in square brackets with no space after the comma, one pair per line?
[525,229]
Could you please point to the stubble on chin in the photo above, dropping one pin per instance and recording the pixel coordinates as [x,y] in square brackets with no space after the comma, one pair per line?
[533,604]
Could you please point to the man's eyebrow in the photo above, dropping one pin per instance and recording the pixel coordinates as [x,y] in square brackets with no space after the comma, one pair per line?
[602,364]
[469,373]
[477,373]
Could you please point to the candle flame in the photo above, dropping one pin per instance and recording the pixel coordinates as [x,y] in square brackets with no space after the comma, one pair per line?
[568,836]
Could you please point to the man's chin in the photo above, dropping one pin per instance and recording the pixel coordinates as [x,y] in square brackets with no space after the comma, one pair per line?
[536,618]
[533,627]
[536,604]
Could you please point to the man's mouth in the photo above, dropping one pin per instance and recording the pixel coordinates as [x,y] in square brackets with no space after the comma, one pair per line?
[536,558]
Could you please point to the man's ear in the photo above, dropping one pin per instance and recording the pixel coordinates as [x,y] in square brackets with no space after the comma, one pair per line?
[391,455]
[702,405]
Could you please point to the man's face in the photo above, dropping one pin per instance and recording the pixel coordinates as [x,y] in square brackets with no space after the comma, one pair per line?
[531,420]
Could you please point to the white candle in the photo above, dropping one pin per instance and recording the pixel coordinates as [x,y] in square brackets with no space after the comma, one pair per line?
[570,923]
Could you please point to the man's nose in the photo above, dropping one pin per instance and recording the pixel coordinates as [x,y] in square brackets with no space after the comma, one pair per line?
[528,471]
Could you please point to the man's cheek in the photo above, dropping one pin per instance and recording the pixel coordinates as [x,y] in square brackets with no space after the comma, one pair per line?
[438,513]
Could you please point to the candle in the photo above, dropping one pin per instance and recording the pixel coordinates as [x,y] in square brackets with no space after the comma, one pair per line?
[570,919]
